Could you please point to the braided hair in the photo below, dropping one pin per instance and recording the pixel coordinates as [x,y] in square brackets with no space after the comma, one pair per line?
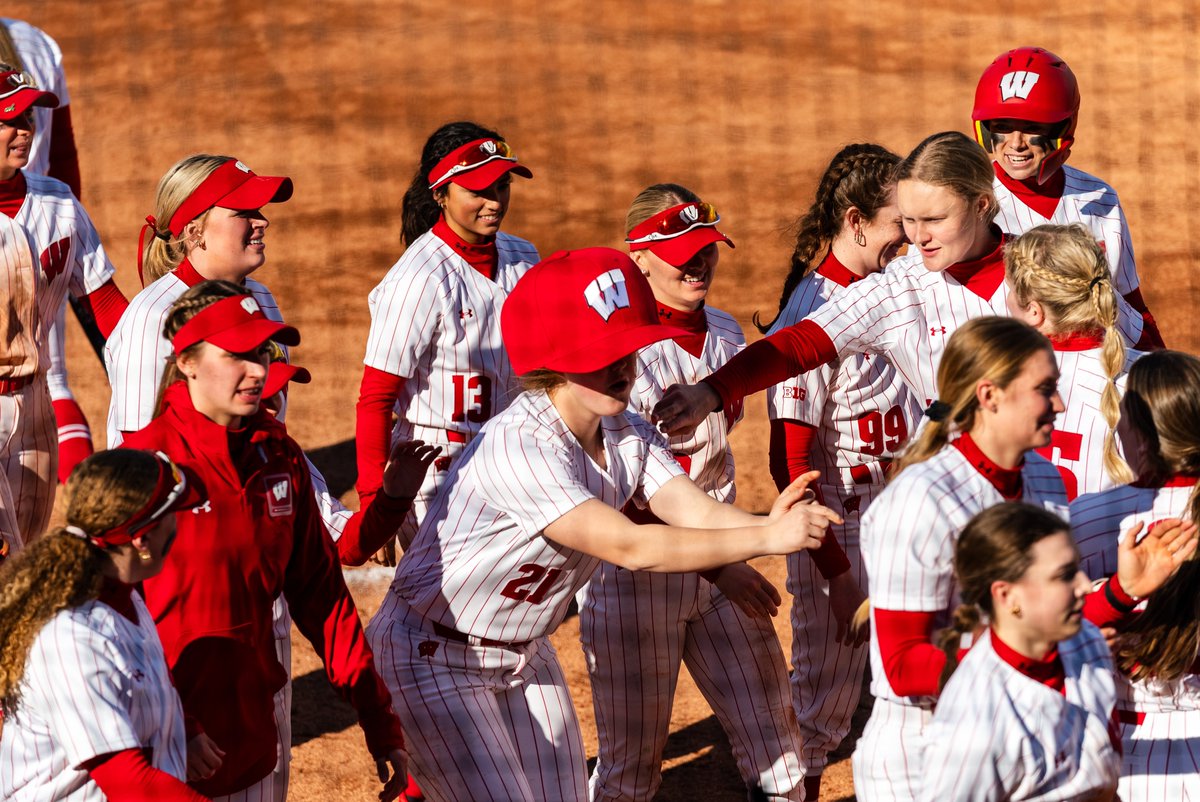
[859,177]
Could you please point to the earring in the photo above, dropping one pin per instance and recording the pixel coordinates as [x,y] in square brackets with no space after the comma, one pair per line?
[860,239]
[1016,610]
[144,556]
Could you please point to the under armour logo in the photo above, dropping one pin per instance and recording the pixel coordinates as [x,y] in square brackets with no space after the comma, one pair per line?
[427,648]
[1017,84]
[466,313]
[936,329]
[138,675]
[607,293]
[238,164]
[205,507]
[250,305]
[664,313]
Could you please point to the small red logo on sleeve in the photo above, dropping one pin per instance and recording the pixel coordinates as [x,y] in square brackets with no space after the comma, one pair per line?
[279,494]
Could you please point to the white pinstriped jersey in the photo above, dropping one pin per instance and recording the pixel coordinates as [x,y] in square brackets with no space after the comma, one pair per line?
[435,321]
[66,246]
[479,563]
[860,404]
[136,352]
[94,683]
[998,734]
[708,459]
[1087,200]
[909,532]
[41,58]
[1077,445]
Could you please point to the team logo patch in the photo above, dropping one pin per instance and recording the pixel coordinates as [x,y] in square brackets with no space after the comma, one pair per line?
[607,293]
[1017,84]
[238,164]
[250,305]
[489,147]
[279,494]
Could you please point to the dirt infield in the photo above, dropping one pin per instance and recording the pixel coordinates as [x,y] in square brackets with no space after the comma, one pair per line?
[744,102]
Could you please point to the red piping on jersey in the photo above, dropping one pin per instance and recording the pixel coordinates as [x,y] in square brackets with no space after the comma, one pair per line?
[1077,341]
[787,352]
[12,194]
[1048,671]
[695,323]
[1007,481]
[483,256]
[983,276]
[790,456]
[832,269]
[1042,198]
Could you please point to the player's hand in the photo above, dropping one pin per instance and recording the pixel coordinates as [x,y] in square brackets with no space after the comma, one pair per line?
[394,785]
[752,592]
[845,599]
[683,407]
[406,467]
[798,492]
[802,526]
[386,556]
[1143,566]
[204,757]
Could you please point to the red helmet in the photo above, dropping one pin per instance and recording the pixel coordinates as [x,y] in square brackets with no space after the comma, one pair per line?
[1030,84]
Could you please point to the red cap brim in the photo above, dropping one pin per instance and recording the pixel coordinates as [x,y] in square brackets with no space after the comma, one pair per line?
[603,352]
[247,336]
[679,250]
[489,173]
[257,193]
[280,373]
[14,106]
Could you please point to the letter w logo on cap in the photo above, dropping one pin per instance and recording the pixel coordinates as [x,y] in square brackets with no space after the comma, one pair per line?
[1017,84]
[607,293]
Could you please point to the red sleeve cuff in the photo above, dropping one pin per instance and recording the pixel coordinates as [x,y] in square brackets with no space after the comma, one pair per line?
[784,354]
[912,663]
[127,776]
[1109,605]
[790,450]
[369,529]
[107,304]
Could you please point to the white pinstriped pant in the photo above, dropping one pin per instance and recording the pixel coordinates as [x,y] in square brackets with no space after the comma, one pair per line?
[637,628]
[887,759]
[1161,758]
[29,455]
[481,723]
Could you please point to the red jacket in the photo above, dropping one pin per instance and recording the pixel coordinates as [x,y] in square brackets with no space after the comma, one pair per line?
[259,535]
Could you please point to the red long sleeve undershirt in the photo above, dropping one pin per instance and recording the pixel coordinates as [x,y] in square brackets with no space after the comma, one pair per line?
[373,427]
[372,527]
[773,359]
[64,158]
[127,776]
[790,456]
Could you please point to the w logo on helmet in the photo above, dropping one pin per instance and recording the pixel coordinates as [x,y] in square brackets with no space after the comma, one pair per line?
[607,293]
[1017,84]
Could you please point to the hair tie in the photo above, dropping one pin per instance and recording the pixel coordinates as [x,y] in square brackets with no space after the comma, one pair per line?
[1095,281]
[165,236]
[77,532]
[938,411]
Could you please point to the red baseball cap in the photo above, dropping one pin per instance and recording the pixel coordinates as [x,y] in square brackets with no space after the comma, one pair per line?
[280,373]
[477,165]
[236,324]
[233,185]
[579,311]
[17,94]
[677,234]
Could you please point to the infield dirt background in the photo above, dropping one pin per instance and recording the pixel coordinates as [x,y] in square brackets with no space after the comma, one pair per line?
[744,102]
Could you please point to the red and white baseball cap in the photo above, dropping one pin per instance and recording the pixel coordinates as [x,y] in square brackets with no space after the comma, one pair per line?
[236,324]
[677,234]
[280,373]
[579,311]
[477,165]
[17,94]
[233,185]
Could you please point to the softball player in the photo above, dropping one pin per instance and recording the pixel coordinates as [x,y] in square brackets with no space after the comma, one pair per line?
[69,257]
[528,513]
[259,536]
[846,420]
[1025,113]
[434,352]
[53,153]
[638,627]
[1038,674]
[1059,283]
[89,709]
[1159,703]
[999,398]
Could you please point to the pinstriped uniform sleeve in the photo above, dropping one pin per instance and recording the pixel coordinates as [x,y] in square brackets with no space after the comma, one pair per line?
[77,687]
[405,312]
[135,361]
[801,398]
[660,466]
[871,315]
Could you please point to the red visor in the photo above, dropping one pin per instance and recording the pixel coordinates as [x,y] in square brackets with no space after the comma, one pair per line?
[17,94]
[477,165]
[233,185]
[280,373]
[176,489]
[677,234]
[235,324]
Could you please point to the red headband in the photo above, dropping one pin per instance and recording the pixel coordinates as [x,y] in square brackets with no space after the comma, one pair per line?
[172,492]
[235,324]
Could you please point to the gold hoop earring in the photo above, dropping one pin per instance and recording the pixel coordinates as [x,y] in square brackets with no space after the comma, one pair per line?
[144,556]
[860,239]
[1016,610]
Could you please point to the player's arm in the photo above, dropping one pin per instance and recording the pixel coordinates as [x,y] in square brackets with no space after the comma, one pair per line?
[127,776]
[377,397]
[716,534]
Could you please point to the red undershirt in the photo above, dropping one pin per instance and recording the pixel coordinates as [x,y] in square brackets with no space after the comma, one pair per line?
[1048,670]
[106,302]
[983,276]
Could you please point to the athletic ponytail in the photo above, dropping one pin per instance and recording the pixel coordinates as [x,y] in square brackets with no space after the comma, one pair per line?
[859,177]
[420,210]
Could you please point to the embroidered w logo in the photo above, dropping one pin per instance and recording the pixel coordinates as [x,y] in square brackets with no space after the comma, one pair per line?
[280,490]
[1017,84]
[607,293]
